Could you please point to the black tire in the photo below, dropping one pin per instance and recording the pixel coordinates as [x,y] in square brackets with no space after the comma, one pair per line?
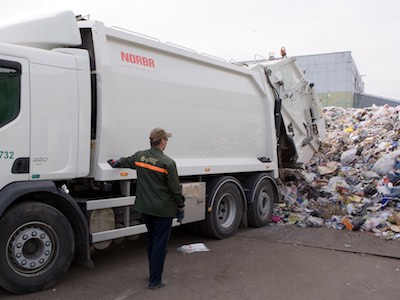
[36,247]
[226,211]
[263,198]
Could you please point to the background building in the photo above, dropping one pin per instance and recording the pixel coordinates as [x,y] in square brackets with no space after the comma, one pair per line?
[335,76]
[338,81]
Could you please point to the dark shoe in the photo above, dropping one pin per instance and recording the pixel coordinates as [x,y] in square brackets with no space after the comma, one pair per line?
[157,286]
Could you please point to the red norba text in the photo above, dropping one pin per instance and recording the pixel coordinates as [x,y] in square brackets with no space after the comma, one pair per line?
[137,60]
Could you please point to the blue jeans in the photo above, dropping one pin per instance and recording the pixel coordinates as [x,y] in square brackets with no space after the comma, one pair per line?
[159,231]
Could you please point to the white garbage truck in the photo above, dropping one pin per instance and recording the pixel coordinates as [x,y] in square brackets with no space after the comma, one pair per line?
[75,93]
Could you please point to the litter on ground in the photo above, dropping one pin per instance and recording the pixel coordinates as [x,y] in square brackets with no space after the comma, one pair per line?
[196,247]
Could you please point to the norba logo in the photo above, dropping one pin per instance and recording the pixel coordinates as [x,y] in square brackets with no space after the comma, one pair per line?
[137,60]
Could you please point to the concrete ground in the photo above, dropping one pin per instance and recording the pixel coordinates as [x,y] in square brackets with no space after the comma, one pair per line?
[274,262]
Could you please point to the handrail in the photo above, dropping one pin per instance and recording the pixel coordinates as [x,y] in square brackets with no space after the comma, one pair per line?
[180,47]
[213,56]
[136,33]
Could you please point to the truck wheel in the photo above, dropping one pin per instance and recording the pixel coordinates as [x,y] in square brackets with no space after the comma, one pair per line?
[261,208]
[36,247]
[226,212]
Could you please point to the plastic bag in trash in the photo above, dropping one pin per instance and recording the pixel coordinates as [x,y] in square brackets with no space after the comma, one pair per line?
[386,163]
[348,157]
[196,247]
[335,183]
[312,221]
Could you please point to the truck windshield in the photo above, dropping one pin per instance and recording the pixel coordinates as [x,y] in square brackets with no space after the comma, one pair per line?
[9,93]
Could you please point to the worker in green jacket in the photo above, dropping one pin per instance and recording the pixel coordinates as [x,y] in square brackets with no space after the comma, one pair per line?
[158,198]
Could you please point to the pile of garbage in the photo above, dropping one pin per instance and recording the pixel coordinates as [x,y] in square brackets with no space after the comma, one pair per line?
[353,181]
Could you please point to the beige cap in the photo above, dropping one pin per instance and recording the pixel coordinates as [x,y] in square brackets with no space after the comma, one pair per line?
[159,133]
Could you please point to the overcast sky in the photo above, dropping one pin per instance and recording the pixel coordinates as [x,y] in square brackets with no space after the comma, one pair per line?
[239,29]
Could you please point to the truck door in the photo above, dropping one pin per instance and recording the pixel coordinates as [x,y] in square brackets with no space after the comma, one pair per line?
[14,120]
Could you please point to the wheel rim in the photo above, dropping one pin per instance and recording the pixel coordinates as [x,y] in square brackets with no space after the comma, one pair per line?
[31,248]
[263,203]
[226,210]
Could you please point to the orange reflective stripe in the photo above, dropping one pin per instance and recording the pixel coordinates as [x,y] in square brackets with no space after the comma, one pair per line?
[151,167]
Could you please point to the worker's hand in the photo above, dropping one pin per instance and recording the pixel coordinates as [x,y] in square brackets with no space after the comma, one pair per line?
[113,162]
[180,214]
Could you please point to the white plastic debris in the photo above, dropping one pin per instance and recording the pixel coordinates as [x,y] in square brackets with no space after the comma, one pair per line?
[196,247]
